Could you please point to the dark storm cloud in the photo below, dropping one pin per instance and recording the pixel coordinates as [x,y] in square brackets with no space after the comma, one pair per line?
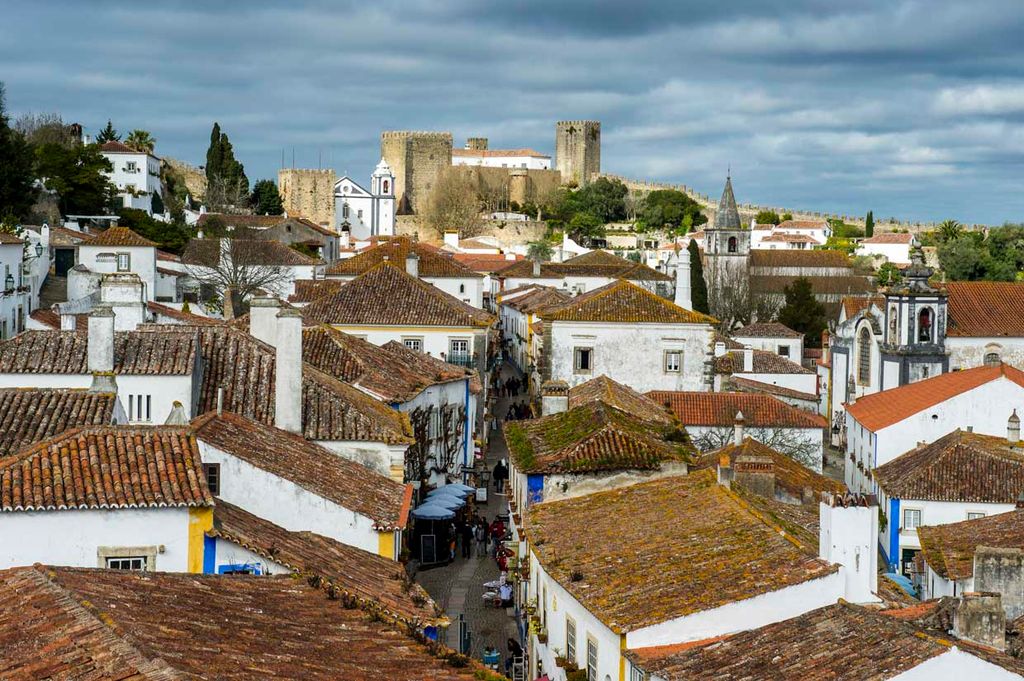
[910,108]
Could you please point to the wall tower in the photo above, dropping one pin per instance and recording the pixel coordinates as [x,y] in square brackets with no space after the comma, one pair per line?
[578,150]
[308,194]
[417,160]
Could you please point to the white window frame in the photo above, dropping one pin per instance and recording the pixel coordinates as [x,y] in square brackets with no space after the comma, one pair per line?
[126,258]
[131,167]
[577,362]
[148,553]
[452,344]
[140,408]
[974,515]
[570,639]
[667,363]
[592,658]
[906,526]
[410,341]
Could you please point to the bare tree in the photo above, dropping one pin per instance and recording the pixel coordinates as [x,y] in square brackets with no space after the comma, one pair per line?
[417,456]
[454,205]
[729,296]
[46,128]
[225,196]
[453,427]
[782,440]
[236,264]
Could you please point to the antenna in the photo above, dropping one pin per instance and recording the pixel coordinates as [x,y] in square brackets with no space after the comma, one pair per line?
[293,158]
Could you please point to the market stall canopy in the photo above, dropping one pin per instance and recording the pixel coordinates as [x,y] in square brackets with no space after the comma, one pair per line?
[430,511]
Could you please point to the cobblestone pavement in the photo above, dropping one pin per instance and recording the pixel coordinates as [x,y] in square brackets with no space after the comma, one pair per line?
[458,587]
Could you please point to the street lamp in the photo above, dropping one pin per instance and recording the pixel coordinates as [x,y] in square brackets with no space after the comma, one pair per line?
[39,250]
[9,282]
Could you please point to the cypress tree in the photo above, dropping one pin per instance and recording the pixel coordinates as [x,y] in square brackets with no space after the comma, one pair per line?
[221,162]
[214,154]
[802,312]
[869,225]
[16,172]
[698,288]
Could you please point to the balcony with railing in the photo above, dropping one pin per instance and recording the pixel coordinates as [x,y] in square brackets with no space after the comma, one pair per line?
[462,359]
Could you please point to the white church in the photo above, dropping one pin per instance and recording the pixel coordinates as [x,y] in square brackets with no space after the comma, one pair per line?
[364,214]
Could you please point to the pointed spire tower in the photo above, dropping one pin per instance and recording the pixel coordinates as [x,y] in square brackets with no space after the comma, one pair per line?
[726,254]
[728,215]
[726,236]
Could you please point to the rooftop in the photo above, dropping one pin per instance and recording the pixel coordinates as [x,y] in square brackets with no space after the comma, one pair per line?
[747,385]
[719,409]
[960,466]
[433,262]
[802,224]
[593,437]
[890,238]
[485,263]
[106,467]
[66,352]
[820,284]
[764,362]
[307,464]
[538,300]
[598,263]
[308,290]
[488,153]
[790,239]
[798,258]
[852,305]
[622,397]
[387,295]
[252,252]
[624,302]
[766,330]
[180,315]
[29,415]
[118,147]
[118,236]
[985,309]
[789,474]
[683,544]
[883,409]
[949,549]
[74,623]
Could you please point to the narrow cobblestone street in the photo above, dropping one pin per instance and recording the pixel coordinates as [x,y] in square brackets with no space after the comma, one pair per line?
[458,587]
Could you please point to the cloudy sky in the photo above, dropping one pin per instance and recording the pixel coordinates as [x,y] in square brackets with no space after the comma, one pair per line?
[912,108]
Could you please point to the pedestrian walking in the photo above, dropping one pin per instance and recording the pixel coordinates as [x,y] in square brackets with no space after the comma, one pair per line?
[468,533]
[481,538]
[500,475]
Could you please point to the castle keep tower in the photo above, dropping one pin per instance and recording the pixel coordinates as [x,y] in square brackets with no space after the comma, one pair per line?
[417,160]
[308,194]
[578,150]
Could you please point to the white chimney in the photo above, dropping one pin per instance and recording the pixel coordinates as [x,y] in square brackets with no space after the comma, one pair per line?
[683,294]
[848,535]
[412,264]
[177,417]
[509,255]
[536,268]
[1013,428]
[748,360]
[345,239]
[554,397]
[719,348]
[101,340]
[451,239]
[263,319]
[288,372]
[737,429]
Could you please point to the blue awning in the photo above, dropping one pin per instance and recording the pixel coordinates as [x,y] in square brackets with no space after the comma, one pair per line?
[432,512]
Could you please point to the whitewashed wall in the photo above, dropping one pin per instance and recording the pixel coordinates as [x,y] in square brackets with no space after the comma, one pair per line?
[967,353]
[143,263]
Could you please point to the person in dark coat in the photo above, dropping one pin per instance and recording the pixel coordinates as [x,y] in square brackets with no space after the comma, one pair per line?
[500,475]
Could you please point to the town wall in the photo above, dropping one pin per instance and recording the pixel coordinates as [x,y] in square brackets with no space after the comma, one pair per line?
[509,233]
[195,178]
[578,150]
[417,159]
[308,193]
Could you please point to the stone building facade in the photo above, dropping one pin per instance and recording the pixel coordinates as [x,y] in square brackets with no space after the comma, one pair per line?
[417,160]
[308,193]
[578,150]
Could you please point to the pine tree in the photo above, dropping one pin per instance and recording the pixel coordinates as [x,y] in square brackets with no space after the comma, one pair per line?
[266,200]
[698,288]
[108,134]
[16,191]
[869,225]
[802,312]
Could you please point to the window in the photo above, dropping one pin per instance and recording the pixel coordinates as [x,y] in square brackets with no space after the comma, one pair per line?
[992,359]
[462,288]
[385,186]
[591,659]
[124,262]
[359,213]
[911,519]
[783,351]
[732,244]
[131,167]
[924,326]
[583,360]
[570,639]
[415,344]
[974,516]
[239,569]
[673,361]
[344,210]
[458,347]
[137,563]
[140,407]
[864,357]
[212,473]
[637,675]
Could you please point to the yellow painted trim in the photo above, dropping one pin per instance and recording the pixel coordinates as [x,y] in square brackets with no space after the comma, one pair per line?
[622,657]
[200,520]
[386,544]
[412,330]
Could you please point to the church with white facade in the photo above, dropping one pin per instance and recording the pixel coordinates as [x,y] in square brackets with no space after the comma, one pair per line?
[366,213]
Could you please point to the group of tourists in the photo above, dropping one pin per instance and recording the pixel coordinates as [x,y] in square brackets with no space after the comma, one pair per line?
[475,533]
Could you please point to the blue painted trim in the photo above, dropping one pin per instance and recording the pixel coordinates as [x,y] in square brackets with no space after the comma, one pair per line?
[534,488]
[254,568]
[209,554]
[465,430]
[894,535]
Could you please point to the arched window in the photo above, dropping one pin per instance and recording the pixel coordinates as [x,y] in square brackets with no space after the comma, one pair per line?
[992,356]
[385,186]
[893,336]
[924,325]
[864,357]
[732,244]
[344,210]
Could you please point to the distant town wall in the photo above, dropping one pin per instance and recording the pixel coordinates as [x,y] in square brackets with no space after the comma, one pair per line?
[508,232]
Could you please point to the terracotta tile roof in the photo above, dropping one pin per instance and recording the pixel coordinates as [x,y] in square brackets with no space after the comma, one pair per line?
[74,623]
[820,285]
[331,409]
[852,305]
[879,410]
[105,467]
[949,549]
[889,238]
[118,147]
[490,153]
[719,409]
[308,290]
[253,221]
[689,545]
[433,261]
[376,581]
[523,269]
[594,437]
[802,224]
[842,641]
[985,308]
[764,363]
[790,239]
[539,299]
[28,415]
[766,330]
[730,344]
[960,466]
[62,236]
[167,257]
[171,273]
[392,372]
[118,236]
[624,302]
[65,352]
[387,295]
[47,317]
[183,317]
[747,385]
[9,239]
[789,474]
[763,257]
[622,397]
[257,252]
[599,263]
[307,464]
[485,263]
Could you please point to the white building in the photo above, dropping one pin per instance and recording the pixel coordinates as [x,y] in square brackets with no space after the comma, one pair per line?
[584,273]
[519,311]
[893,247]
[772,337]
[366,213]
[136,174]
[501,158]
[789,235]
[986,323]
[631,335]
[882,426]
[961,476]
[16,297]
[208,263]
[116,250]
[763,368]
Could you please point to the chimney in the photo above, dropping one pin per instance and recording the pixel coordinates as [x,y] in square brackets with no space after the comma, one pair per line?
[345,239]
[755,473]
[683,295]
[825,347]
[288,372]
[220,400]
[737,429]
[229,304]
[451,239]
[719,348]
[103,382]
[748,360]
[725,472]
[1013,428]
[177,417]
[851,391]
[412,264]
[509,255]
[263,319]
[101,340]
[554,397]
[979,618]
[1001,571]
[536,268]
[848,535]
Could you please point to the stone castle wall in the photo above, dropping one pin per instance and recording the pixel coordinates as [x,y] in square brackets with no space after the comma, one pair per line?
[195,178]
[417,159]
[521,185]
[508,232]
[578,150]
[308,193]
